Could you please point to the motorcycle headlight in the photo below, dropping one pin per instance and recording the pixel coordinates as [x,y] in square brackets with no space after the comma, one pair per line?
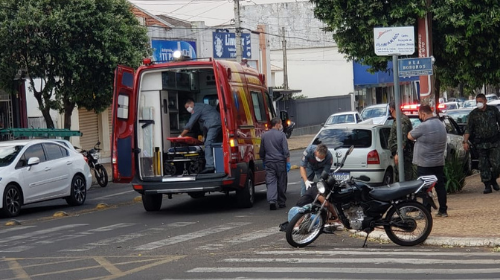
[321,187]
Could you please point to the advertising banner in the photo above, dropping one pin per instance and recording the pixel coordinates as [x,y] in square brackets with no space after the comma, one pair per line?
[225,45]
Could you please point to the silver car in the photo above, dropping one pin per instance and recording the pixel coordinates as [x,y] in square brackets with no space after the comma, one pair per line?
[371,155]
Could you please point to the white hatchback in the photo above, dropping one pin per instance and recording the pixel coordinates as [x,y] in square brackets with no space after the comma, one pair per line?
[344,118]
[38,170]
[371,155]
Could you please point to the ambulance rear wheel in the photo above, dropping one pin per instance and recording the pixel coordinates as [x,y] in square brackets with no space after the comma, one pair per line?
[245,196]
[152,202]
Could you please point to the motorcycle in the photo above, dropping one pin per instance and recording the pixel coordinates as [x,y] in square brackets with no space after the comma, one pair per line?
[92,159]
[288,129]
[395,208]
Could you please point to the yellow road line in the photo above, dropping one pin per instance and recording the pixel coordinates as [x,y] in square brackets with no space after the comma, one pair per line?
[108,266]
[17,270]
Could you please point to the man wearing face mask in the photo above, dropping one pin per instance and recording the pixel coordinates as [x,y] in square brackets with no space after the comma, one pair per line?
[482,130]
[429,151]
[274,152]
[209,120]
[315,160]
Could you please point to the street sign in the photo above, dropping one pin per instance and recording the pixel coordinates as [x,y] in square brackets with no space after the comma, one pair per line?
[410,67]
[394,40]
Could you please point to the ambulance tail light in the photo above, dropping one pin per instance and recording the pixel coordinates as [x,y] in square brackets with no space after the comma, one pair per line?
[373,158]
[233,146]
[442,106]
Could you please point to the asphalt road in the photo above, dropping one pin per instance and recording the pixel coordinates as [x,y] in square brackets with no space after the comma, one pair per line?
[207,238]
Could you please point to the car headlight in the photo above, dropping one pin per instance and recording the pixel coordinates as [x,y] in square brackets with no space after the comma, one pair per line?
[321,187]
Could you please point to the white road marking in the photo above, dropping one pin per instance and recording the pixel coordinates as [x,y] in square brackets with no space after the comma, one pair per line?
[357,270]
[355,251]
[188,236]
[251,236]
[363,260]
[14,229]
[39,232]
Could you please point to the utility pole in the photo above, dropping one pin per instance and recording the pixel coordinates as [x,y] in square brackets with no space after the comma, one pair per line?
[285,73]
[238,30]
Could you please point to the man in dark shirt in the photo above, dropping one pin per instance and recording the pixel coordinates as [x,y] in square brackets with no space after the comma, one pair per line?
[274,152]
[482,130]
[315,160]
[209,120]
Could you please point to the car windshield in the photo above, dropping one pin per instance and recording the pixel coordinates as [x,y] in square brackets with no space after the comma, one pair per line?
[8,154]
[414,122]
[340,119]
[344,138]
[459,116]
[469,103]
[375,112]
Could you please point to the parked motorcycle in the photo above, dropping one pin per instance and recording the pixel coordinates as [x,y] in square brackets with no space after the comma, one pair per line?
[92,158]
[288,129]
[395,208]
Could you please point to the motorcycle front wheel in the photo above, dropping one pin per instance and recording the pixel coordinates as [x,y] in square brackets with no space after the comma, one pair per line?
[300,233]
[410,223]
[101,175]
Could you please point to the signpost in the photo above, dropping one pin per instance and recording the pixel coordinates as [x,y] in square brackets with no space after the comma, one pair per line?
[395,41]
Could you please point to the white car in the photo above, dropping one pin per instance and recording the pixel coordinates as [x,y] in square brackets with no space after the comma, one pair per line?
[378,114]
[344,118]
[38,170]
[371,155]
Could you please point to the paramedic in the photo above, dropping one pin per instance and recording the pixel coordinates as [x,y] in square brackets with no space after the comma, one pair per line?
[209,120]
[315,160]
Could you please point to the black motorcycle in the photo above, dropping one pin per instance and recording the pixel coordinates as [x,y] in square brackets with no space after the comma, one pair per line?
[288,129]
[92,158]
[395,208]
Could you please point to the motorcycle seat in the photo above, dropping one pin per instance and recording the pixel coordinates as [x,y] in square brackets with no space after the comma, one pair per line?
[395,190]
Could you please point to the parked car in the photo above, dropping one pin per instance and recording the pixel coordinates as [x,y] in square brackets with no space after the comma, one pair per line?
[377,113]
[469,104]
[344,117]
[491,97]
[460,117]
[448,106]
[38,170]
[371,155]
[454,139]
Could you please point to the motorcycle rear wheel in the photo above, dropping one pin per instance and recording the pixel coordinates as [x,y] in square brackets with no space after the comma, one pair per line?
[411,227]
[298,233]
[101,175]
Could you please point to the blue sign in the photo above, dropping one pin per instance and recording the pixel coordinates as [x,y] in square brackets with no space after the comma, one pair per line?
[410,67]
[163,50]
[225,45]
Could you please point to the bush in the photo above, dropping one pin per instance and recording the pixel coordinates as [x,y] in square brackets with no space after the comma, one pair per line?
[454,173]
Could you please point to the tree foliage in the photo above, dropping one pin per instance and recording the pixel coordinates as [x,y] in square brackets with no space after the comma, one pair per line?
[465,34]
[72,46]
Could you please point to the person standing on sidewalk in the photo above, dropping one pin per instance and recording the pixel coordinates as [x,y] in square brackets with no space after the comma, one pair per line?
[429,152]
[482,130]
[315,160]
[406,127]
[276,156]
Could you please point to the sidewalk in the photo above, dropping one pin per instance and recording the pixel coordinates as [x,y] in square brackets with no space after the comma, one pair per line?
[474,217]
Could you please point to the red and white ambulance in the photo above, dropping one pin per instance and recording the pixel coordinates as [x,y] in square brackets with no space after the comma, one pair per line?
[149,114]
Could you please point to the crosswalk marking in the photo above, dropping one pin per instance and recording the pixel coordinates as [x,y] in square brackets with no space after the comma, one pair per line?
[365,251]
[189,236]
[14,229]
[362,260]
[357,270]
[39,232]
[251,236]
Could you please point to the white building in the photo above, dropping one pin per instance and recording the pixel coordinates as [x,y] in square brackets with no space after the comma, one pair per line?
[314,64]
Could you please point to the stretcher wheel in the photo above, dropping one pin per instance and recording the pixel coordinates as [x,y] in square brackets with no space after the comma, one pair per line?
[195,167]
[169,169]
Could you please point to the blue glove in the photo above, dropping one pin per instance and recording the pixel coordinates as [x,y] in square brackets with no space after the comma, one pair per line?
[288,167]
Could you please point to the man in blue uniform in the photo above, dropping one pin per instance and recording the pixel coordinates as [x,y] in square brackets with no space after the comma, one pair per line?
[315,160]
[274,152]
[209,120]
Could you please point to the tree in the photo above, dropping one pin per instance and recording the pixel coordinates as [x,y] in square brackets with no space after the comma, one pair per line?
[464,32]
[72,46]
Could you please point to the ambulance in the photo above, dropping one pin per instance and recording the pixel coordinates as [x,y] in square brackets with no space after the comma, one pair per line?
[149,115]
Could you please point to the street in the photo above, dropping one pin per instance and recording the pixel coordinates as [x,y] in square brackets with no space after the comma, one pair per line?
[207,238]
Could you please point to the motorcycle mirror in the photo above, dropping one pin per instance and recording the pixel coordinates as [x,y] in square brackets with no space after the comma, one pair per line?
[345,156]
[324,175]
[316,141]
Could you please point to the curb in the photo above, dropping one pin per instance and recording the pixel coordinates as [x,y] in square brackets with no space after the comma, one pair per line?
[438,241]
